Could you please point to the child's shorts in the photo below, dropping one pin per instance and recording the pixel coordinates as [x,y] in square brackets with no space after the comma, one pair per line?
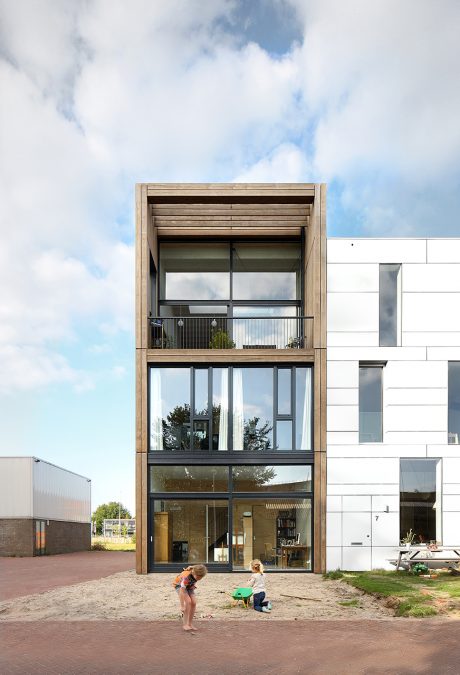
[190,591]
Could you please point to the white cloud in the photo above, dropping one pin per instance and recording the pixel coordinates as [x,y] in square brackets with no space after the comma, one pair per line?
[286,164]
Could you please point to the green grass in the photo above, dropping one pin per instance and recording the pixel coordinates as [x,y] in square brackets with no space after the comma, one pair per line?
[406,587]
[334,574]
[350,603]
[110,546]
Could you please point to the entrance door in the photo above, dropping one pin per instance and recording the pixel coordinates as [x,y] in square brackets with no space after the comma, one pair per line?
[356,540]
[40,537]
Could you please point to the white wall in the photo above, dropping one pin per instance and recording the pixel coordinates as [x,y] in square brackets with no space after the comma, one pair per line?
[16,487]
[363,479]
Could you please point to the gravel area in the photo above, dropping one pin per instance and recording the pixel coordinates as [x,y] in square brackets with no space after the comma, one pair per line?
[127,596]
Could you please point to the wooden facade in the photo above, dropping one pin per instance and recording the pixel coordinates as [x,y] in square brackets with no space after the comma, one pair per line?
[232,210]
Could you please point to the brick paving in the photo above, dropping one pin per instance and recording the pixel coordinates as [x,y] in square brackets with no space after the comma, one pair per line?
[24,576]
[325,647]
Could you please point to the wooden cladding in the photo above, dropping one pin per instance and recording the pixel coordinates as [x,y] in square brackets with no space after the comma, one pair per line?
[281,219]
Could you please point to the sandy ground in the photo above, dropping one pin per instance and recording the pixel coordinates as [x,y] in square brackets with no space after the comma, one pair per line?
[127,596]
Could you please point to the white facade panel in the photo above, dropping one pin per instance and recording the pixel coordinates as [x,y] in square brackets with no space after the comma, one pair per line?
[356,529]
[451,528]
[59,494]
[420,396]
[333,504]
[378,489]
[376,251]
[352,278]
[16,487]
[443,450]
[353,311]
[430,339]
[443,250]
[450,502]
[443,353]
[334,558]
[385,529]
[343,374]
[385,503]
[415,374]
[376,354]
[342,396]
[376,450]
[414,437]
[422,311]
[415,418]
[334,529]
[381,556]
[357,503]
[342,437]
[363,470]
[350,339]
[451,489]
[431,278]
[451,469]
[356,558]
[343,418]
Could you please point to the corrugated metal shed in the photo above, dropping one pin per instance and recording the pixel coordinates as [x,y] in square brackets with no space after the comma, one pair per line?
[33,488]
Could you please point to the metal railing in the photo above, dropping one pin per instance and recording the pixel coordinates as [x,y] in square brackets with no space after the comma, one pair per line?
[236,333]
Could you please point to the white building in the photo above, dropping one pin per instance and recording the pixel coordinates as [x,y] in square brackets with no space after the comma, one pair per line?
[393,397]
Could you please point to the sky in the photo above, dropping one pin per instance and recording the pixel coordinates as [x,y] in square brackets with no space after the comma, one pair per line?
[97,95]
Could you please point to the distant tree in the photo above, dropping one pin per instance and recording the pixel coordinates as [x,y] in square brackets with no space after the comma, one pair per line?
[257,435]
[110,510]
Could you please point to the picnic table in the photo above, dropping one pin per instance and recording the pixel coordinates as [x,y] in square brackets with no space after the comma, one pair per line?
[433,557]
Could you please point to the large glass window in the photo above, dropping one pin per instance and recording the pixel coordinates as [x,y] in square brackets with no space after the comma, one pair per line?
[271,478]
[188,478]
[370,404]
[266,271]
[271,409]
[194,271]
[454,402]
[190,531]
[389,305]
[420,499]
[277,531]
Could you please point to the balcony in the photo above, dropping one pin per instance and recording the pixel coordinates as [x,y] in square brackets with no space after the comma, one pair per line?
[231,333]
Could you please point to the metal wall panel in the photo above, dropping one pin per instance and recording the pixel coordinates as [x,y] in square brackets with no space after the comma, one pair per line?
[16,487]
[59,494]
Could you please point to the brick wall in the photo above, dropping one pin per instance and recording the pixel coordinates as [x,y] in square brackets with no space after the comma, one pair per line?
[17,537]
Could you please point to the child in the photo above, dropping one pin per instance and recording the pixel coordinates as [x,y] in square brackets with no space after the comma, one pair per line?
[185,584]
[257,581]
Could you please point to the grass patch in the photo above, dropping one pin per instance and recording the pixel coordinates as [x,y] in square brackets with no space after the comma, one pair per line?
[110,546]
[349,603]
[334,574]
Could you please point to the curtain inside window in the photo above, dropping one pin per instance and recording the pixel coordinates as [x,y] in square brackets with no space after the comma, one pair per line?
[223,417]
[156,426]
[305,421]
[238,409]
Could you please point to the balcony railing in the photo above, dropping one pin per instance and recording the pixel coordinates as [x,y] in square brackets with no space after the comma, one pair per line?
[237,333]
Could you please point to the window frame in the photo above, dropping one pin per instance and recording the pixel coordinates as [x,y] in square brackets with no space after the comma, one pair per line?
[371,364]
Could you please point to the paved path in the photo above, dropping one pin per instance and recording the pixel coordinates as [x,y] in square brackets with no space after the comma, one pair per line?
[402,647]
[24,576]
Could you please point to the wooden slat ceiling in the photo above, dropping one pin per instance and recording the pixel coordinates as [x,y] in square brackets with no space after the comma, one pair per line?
[238,216]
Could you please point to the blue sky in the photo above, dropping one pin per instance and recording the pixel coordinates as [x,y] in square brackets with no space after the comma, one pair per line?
[100,94]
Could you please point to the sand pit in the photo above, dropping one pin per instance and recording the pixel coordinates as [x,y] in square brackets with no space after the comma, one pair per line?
[127,596]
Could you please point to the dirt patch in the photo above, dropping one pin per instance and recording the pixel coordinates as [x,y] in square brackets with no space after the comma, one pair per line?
[127,596]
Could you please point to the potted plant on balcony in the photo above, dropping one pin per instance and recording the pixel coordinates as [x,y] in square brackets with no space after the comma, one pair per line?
[220,339]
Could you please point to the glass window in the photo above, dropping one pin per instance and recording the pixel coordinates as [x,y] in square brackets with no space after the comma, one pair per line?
[194,271]
[454,402]
[272,478]
[268,271]
[190,531]
[277,531]
[420,499]
[370,404]
[188,478]
[253,409]
[389,305]
[284,391]
[170,408]
[261,327]
[303,385]
[201,391]
[284,435]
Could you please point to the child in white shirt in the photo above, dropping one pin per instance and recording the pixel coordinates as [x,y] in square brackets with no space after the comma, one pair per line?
[257,582]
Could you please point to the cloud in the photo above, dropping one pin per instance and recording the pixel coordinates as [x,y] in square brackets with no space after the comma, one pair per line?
[367,98]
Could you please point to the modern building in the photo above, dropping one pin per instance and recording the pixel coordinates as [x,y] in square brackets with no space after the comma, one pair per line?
[118,527]
[393,397]
[231,384]
[230,376]
[44,509]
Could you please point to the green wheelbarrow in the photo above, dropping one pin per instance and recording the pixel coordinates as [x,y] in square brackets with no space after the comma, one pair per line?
[243,594]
